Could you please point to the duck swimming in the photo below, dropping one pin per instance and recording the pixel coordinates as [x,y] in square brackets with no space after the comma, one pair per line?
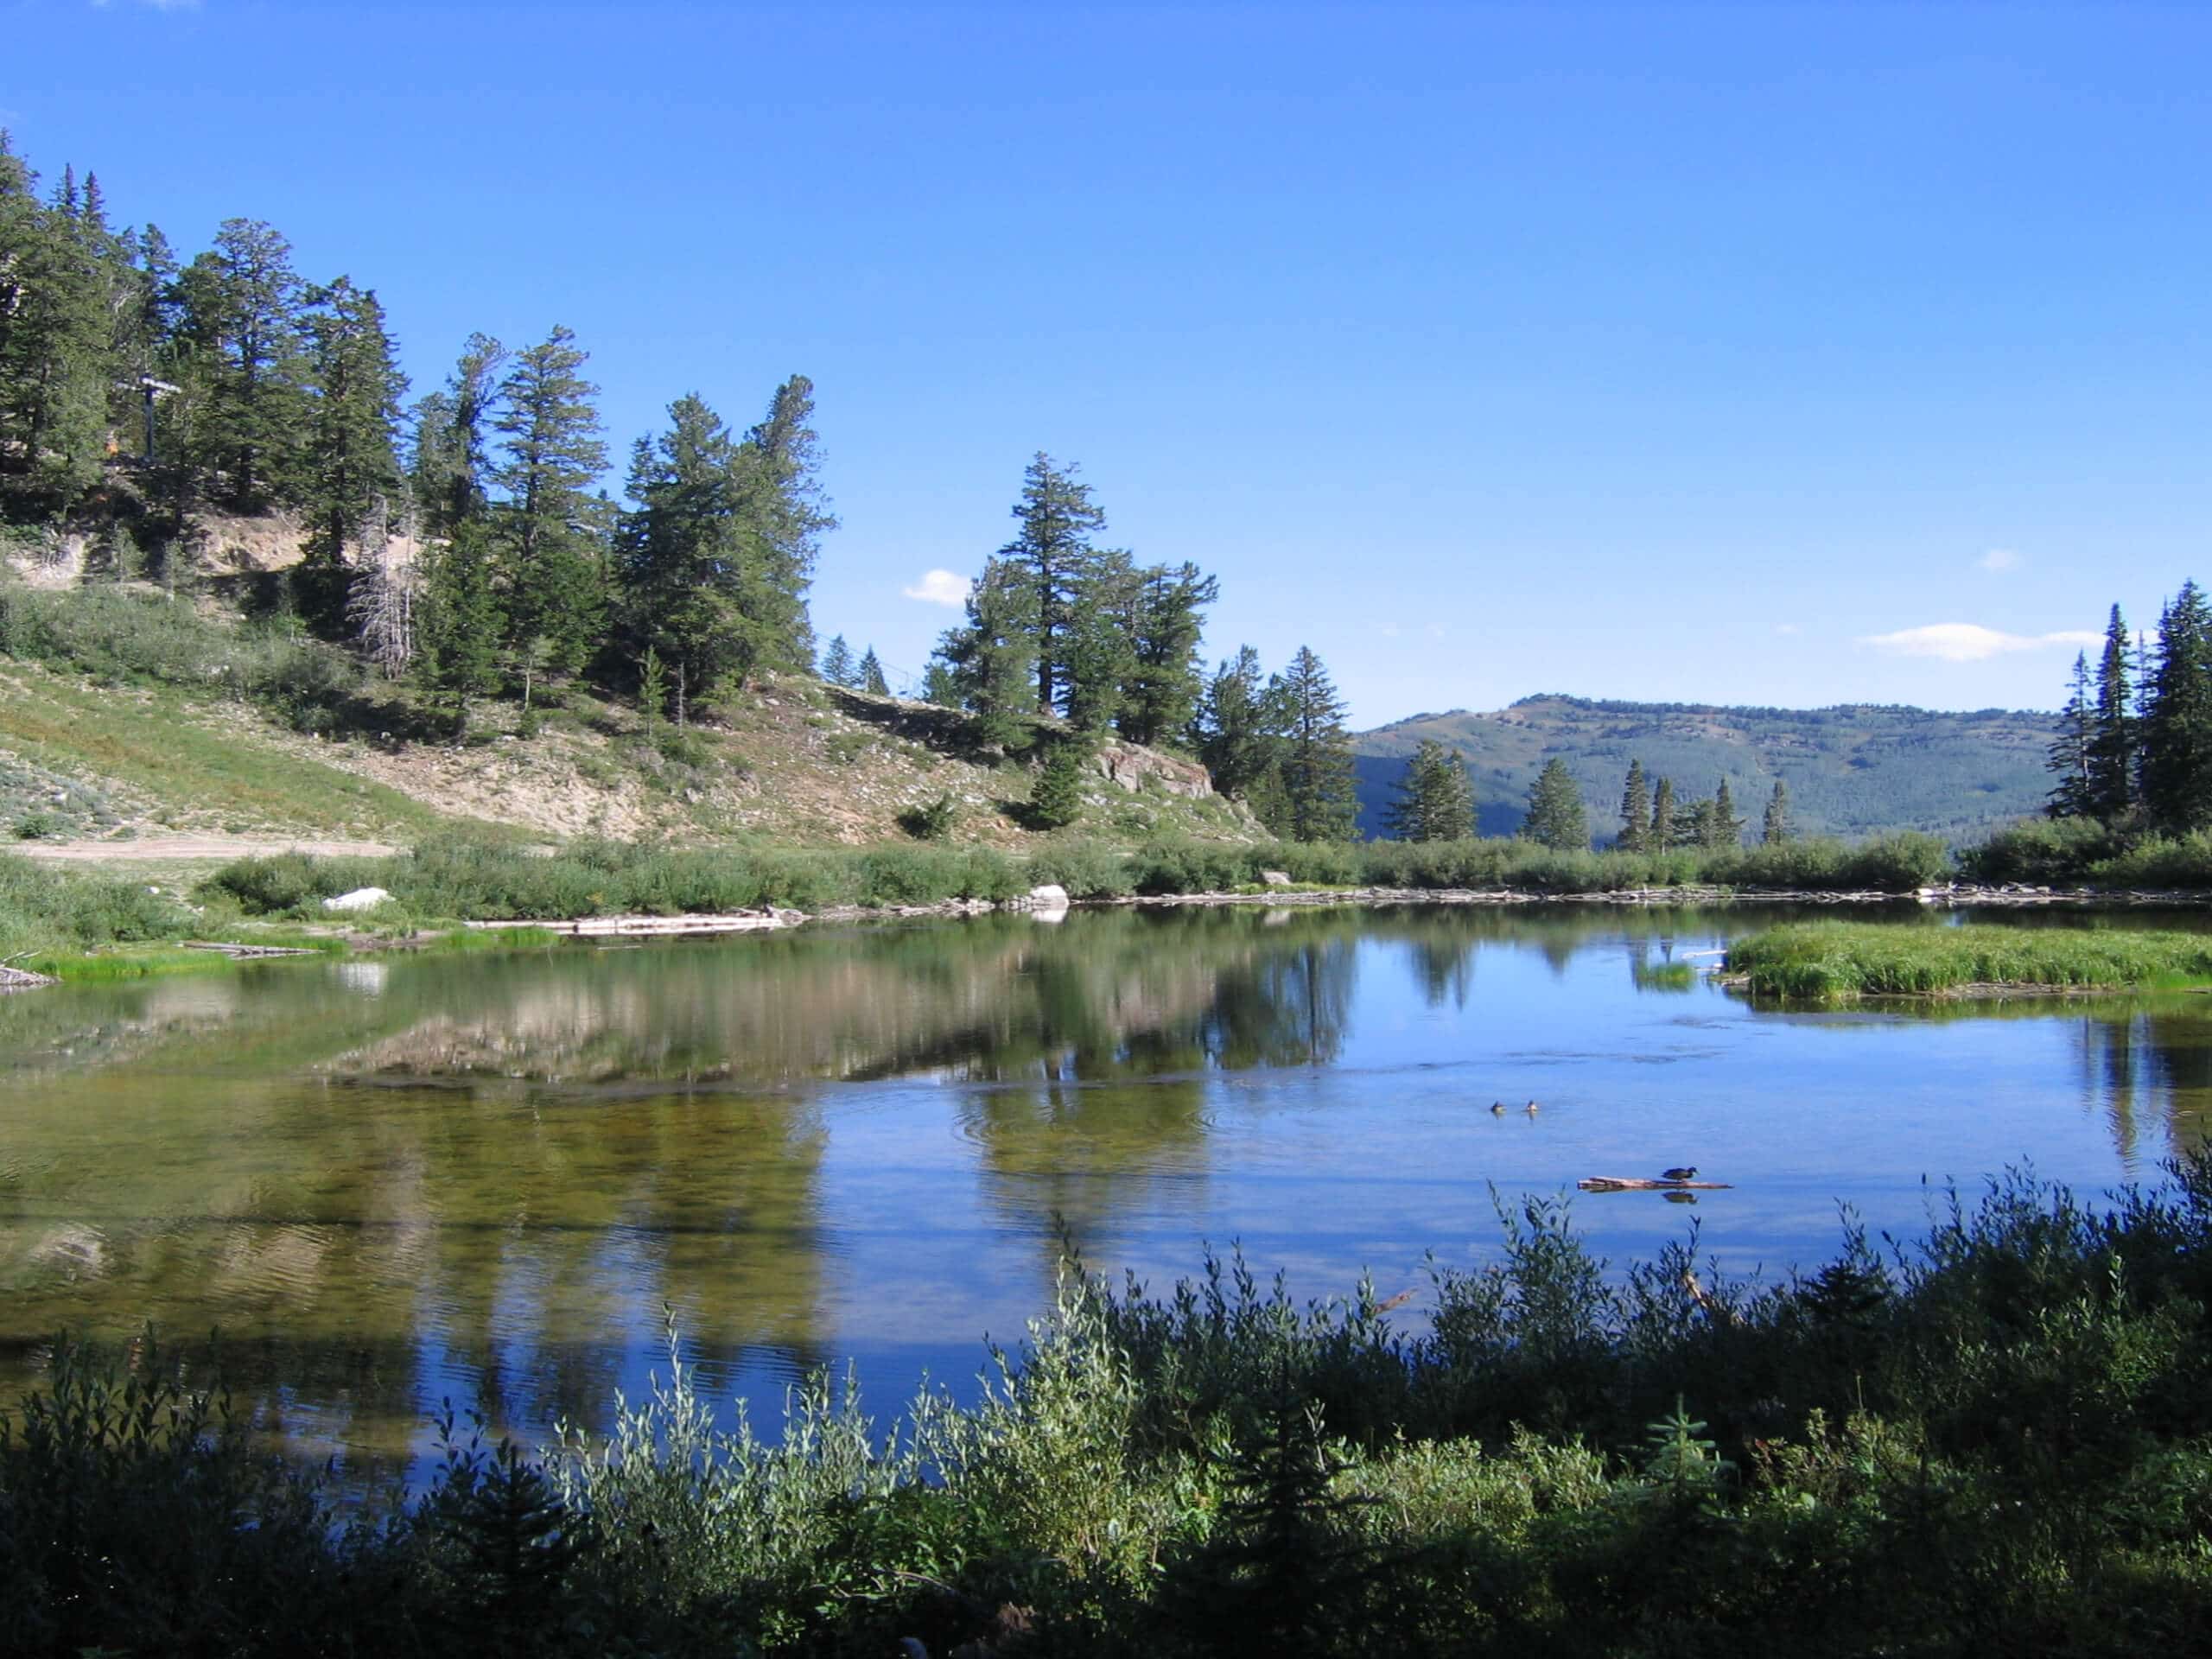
[1497,1108]
[1530,1108]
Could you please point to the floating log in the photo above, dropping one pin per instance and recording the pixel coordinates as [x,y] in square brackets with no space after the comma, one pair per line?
[1638,1184]
[248,952]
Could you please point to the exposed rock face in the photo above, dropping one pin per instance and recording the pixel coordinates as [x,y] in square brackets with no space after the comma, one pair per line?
[1276,878]
[1129,767]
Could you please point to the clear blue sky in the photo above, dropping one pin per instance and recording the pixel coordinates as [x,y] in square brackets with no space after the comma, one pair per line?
[1627,351]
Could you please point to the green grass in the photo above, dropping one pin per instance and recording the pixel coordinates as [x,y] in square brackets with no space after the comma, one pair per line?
[1836,961]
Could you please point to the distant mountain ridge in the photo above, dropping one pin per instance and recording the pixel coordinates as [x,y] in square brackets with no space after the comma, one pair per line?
[1855,769]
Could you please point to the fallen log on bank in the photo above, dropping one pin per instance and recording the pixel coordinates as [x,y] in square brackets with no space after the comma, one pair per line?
[1638,1184]
[22,979]
[247,952]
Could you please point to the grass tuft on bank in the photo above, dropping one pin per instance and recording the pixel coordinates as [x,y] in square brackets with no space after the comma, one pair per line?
[1997,1440]
[1836,961]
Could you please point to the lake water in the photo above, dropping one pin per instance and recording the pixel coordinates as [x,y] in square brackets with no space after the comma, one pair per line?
[397,1180]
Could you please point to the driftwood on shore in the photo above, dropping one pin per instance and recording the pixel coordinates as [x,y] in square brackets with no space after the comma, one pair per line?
[1638,1184]
[22,979]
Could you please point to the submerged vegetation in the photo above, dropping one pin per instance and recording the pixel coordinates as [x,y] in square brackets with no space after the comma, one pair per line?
[1831,961]
[1996,1440]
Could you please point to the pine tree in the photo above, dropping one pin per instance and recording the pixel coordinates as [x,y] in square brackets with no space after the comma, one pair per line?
[458,625]
[550,454]
[451,464]
[1775,830]
[1635,811]
[1163,691]
[991,659]
[1662,838]
[2072,797]
[837,662]
[239,320]
[1055,800]
[778,467]
[1051,556]
[1319,802]
[1435,801]
[1232,732]
[1556,817]
[56,341]
[1098,649]
[1724,830]
[352,459]
[2110,757]
[2178,729]
[870,674]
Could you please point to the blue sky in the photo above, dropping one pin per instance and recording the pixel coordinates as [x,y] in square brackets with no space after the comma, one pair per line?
[1687,353]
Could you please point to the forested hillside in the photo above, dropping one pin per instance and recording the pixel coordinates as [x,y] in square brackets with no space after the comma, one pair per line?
[1851,770]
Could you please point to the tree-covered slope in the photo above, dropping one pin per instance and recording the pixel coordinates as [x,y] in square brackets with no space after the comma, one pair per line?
[1852,770]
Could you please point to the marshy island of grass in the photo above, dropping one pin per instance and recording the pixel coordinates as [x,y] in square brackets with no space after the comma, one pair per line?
[1996,1440]
[1836,961]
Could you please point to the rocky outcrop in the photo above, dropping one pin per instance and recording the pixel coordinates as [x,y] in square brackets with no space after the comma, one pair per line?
[1130,767]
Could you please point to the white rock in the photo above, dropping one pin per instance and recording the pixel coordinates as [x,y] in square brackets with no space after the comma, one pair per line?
[1051,897]
[359,899]
[1276,878]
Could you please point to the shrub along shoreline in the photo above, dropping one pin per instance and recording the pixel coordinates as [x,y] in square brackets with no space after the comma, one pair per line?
[1997,1439]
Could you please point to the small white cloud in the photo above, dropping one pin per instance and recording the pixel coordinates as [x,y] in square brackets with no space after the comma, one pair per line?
[1998,560]
[1785,628]
[1968,642]
[939,587]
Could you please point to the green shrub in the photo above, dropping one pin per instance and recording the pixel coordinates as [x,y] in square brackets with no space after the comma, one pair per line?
[933,820]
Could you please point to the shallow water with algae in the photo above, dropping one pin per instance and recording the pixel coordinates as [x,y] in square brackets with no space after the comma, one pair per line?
[399,1180]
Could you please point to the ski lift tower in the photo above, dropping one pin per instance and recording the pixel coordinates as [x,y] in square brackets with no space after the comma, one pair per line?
[153,388]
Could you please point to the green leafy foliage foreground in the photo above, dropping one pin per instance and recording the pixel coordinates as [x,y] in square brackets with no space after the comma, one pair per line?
[1998,1440]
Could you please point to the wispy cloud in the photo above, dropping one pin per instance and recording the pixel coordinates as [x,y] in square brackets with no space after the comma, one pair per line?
[1968,642]
[151,5]
[1787,627]
[1998,560]
[938,587]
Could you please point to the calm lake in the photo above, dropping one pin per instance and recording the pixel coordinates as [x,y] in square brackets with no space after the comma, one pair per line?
[397,1180]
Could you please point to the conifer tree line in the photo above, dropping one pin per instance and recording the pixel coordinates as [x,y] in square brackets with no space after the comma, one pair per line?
[2133,751]
[1058,625]
[230,382]
[1653,819]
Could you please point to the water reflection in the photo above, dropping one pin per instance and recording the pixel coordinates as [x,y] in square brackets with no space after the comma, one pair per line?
[397,1180]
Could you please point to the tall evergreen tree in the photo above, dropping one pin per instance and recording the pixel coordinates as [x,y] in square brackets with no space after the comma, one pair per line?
[352,459]
[550,454]
[2177,728]
[992,658]
[837,662]
[780,466]
[1635,811]
[239,321]
[1776,828]
[1098,648]
[1662,838]
[451,462]
[1052,555]
[457,622]
[2071,796]
[1435,801]
[1723,830]
[1319,802]
[870,675]
[1232,731]
[1165,684]
[1556,817]
[57,272]
[2110,759]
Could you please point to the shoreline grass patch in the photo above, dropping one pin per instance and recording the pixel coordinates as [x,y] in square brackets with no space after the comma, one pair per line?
[1838,961]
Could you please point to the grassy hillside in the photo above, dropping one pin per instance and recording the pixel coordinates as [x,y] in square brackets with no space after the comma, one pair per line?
[124,714]
[1856,769]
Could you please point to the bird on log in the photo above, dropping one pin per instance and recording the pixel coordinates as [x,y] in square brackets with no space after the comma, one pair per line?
[1687,1172]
